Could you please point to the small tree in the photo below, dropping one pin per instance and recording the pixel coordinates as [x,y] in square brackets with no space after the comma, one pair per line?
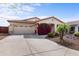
[62,29]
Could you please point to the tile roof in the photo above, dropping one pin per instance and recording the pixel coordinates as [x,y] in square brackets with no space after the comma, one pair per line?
[29,20]
[51,17]
[33,22]
[73,22]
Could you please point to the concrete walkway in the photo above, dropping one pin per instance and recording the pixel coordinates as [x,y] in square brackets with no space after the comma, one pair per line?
[17,45]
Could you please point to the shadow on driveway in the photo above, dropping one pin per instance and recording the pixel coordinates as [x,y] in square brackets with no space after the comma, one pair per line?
[35,36]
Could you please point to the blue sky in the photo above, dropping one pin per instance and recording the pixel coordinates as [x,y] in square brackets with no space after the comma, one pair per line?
[63,11]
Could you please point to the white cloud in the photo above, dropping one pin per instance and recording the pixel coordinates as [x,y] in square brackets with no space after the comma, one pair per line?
[4,23]
[35,4]
[4,18]
[17,9]
[27,8]
[72,18]
[7,17]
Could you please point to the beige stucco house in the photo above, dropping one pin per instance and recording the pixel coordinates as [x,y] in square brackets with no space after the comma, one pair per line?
[28,26]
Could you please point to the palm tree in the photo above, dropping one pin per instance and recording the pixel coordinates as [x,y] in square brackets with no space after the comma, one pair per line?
[62,29]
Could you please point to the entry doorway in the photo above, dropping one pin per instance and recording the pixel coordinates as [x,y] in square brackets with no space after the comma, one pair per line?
[72,29]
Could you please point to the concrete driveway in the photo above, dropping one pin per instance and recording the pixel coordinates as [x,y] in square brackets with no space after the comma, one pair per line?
[17,45]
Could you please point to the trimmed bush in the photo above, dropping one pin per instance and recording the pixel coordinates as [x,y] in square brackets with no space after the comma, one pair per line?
[53,34]
[50,35]
[76,34]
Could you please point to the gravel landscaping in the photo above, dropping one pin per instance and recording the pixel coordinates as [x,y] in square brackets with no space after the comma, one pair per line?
[74,41]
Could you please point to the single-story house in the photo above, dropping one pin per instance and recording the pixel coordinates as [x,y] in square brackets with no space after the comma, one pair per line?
[74,26]
[28,26]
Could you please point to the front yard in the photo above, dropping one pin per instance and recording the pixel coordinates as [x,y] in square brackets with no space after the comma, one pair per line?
[74,41]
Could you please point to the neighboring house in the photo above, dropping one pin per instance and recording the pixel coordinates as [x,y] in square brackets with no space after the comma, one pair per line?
[28,26]
[74,26]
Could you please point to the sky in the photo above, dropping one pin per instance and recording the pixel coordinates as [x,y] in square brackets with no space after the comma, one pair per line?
[63,11]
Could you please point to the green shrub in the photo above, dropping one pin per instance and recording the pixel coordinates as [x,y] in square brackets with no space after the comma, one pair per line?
[53,34]
[56,34]
[76,34]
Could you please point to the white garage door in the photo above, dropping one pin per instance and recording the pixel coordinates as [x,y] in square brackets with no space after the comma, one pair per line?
[24,30]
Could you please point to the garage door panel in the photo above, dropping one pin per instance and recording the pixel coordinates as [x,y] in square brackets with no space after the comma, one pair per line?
[24,30]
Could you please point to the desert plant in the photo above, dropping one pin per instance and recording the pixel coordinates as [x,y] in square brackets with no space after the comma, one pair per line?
[76,34]
[62,29]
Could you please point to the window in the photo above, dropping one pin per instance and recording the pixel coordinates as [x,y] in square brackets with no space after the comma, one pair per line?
[72,29]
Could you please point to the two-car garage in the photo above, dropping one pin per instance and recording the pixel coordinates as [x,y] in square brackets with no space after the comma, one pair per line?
[23,30]
[22,27]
